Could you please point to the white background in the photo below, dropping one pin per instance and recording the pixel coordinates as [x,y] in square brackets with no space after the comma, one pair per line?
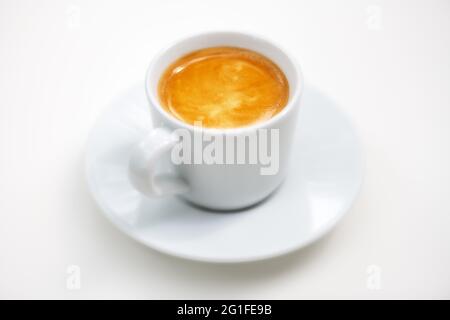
[387,63]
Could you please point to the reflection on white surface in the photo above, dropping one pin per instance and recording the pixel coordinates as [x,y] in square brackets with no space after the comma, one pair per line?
[324,204]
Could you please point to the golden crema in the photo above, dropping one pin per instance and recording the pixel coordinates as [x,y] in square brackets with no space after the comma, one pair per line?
[223,87]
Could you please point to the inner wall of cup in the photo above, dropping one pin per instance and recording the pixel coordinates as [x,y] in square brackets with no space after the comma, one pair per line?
[222,39]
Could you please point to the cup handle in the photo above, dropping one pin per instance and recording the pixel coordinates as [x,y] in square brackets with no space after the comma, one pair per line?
[142,166]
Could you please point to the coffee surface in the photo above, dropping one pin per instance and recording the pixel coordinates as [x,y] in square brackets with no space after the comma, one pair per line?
[223,87]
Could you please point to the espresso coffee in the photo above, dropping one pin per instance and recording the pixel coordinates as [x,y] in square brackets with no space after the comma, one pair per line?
[223,87]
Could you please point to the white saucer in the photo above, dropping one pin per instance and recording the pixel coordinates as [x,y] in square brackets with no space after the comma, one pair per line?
[324,178]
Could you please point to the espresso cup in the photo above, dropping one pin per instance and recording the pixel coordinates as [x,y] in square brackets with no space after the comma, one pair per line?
[238,174]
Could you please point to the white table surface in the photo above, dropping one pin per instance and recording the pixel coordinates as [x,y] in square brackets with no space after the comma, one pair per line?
[386,62]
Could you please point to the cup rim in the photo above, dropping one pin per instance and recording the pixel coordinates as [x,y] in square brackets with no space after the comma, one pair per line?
[154,100]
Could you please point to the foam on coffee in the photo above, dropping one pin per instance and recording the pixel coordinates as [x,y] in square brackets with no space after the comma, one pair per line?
[223,87]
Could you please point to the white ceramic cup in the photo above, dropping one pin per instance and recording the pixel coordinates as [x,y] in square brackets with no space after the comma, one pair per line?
[213,186]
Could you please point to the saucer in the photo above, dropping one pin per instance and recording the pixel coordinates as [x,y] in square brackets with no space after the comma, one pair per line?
[324,177]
